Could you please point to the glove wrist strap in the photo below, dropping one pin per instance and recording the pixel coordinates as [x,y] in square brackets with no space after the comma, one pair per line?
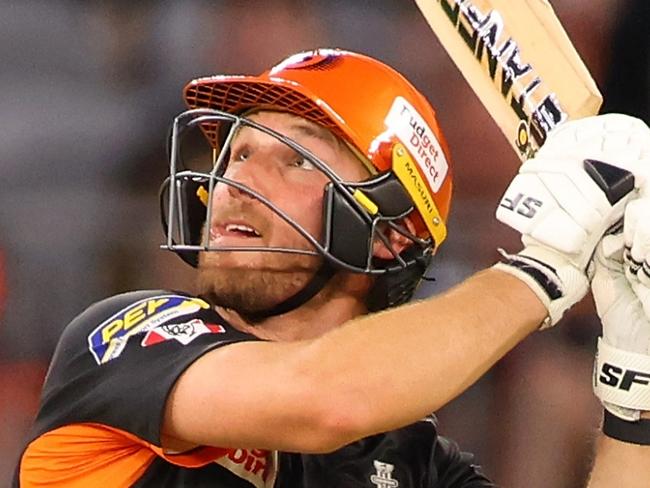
[633,432]
[541,278]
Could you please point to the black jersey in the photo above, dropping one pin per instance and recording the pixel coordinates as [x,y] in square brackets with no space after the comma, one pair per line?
[104,396]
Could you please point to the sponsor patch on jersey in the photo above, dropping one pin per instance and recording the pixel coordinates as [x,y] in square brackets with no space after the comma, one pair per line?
[108,340]
[256,466]
[184,333]
[383,478]
[410,128]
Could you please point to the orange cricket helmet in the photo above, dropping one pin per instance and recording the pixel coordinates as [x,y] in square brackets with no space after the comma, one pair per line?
[371,106]
[387,123]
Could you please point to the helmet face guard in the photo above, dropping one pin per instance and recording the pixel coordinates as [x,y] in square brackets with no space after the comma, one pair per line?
[356,215]
[372,108]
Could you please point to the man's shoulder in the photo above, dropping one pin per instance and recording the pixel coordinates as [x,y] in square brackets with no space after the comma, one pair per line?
[141,303]
[133,307]
[106,326]
[127,341]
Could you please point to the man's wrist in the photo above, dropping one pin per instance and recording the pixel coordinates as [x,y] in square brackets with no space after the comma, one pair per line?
[556,281]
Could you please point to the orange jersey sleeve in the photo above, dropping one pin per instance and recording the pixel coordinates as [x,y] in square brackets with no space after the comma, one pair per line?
[85,455]
[101,410]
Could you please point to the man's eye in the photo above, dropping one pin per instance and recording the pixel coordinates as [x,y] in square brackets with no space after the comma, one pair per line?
[239,154]
[304,163]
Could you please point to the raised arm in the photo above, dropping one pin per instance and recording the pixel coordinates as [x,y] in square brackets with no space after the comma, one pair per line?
[373,374]
[385,370]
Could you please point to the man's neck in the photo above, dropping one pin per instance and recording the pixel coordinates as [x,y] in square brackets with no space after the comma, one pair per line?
[329,309]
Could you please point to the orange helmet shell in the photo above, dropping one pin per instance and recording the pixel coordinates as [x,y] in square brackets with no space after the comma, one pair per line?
[363,101]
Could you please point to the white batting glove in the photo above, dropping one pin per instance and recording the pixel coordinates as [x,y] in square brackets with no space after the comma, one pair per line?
[621,290]
[564,200]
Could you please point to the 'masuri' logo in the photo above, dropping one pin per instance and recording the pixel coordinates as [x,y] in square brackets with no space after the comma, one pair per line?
[384,476]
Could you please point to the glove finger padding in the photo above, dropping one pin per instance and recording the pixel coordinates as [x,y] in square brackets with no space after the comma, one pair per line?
[609,137]
[564,200]
[637,241]
[637,249]
[625,323]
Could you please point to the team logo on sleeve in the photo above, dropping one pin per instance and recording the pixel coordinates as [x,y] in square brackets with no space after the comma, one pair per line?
[183,333]
[108,340]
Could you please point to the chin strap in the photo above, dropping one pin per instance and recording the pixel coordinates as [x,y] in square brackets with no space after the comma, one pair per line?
[309,291]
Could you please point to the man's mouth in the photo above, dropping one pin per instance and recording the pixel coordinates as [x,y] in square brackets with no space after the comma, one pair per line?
[242,230]
[238,230]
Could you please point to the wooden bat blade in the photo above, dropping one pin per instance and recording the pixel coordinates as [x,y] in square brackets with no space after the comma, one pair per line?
[519,61]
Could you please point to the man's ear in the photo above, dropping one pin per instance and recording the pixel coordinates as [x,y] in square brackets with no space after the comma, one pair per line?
[397,241]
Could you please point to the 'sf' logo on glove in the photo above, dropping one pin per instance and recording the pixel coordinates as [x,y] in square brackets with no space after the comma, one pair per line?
[522,204]
[620,378]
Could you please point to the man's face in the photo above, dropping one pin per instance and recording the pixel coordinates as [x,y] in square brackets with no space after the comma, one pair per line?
[254,281]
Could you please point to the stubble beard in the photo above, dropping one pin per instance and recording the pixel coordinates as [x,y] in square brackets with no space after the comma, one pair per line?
[249,291]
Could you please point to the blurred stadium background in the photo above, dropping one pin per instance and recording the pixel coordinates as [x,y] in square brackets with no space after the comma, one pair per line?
[87,92]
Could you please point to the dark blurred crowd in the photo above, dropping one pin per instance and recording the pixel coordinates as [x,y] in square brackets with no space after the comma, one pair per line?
[87,92]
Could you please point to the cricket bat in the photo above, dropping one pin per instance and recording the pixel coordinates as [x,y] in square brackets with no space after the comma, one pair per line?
[520,63]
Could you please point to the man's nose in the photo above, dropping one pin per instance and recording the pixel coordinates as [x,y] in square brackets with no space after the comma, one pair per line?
[253,173]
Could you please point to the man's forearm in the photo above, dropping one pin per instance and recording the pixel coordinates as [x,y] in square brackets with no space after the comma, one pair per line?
[430,351]
[620,464]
